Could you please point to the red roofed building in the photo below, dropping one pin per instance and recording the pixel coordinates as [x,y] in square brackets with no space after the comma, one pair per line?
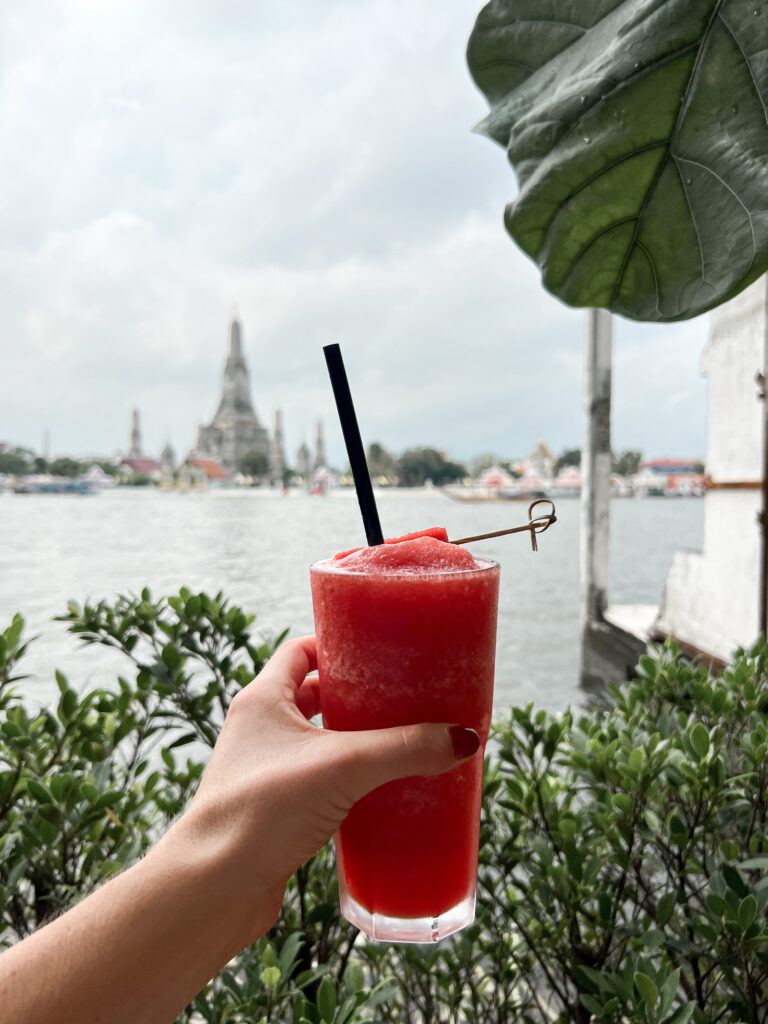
[143,466]
[208,471]
[675,467]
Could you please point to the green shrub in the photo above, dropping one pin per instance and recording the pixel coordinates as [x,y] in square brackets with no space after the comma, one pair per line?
[624,852]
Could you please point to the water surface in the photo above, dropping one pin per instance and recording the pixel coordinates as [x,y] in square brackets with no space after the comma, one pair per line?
[256,546]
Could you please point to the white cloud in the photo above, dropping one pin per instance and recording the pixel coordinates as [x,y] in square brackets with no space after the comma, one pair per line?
[312,164]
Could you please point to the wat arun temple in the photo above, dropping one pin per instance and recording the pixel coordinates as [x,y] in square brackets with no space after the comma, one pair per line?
[235,430]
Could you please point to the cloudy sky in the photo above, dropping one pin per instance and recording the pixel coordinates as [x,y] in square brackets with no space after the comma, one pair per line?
[312,165]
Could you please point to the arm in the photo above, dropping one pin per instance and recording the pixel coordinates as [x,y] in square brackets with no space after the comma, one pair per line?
[275,790]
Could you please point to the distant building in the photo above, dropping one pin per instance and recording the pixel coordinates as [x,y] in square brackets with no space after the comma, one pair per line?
[235,429]
[208,472]
[168,459]
[277,451]
[135,449]
[540,462]
[303,461]
[669,476]
[495,479]
[143,466]
[319,447]
[136,462]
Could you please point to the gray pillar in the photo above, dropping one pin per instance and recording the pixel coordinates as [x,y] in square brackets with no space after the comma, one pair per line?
[596,487]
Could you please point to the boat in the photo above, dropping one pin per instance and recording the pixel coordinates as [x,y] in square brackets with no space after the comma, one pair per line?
[54,485]
[489,494]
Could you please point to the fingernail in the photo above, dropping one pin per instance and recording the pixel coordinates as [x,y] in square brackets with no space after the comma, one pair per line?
[465,741]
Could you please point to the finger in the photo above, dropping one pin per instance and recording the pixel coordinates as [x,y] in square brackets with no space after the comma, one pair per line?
[290,664]
[382,755]
[308,697]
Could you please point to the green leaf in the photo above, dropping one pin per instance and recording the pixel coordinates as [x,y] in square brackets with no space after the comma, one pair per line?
[40,792]
[638,135]
[326,998]
[747,912]
[653,938]
[729,849]
[669,990]
[717,904]
[568,827]
[647,989]
[269,956]
[637,759]
[682,1015]
[665,908]
[67,705]
[270,976]
[755,864]
[354,978]
[171,657]
[700,741]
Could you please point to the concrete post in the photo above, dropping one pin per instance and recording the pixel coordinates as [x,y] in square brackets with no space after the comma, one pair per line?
[596,486]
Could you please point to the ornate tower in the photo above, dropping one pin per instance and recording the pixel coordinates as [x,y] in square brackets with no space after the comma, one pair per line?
[235,430]
[236,389]
[277,451]
[303,464]
[319,446]
[135,449]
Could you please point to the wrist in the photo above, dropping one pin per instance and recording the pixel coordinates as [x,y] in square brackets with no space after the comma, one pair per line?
[233,891]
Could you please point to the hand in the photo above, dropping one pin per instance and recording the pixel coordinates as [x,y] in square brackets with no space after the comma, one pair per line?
[277,787]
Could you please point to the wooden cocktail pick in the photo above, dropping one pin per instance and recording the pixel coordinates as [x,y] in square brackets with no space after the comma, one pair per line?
[538,523]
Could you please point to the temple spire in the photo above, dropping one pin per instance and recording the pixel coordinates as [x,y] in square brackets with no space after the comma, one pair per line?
[236,400]
[319,446]
[135,449]
[235,340]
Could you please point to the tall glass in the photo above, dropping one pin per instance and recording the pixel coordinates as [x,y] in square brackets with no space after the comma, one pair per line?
[397,649]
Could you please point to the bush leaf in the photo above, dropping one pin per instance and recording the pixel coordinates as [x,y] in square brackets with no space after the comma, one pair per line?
[646,986]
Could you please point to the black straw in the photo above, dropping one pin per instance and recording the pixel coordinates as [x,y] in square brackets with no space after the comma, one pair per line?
[354,444]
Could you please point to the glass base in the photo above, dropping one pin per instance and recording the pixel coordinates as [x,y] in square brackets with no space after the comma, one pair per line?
[408,929]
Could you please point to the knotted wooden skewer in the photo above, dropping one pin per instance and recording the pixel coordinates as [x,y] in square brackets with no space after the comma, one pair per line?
[536,524]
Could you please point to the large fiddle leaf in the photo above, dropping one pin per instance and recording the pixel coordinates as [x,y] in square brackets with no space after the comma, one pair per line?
[638,130]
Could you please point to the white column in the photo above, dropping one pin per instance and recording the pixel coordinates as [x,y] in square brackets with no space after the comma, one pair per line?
[596,472]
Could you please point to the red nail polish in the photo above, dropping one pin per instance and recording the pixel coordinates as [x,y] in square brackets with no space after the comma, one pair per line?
[465,741]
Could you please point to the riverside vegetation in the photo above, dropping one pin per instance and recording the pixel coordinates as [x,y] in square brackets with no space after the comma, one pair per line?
[624,852]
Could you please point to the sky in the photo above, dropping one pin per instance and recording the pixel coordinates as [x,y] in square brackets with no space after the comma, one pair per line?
[311,166]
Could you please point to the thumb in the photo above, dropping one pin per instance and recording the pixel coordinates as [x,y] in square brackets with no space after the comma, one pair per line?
[376,756]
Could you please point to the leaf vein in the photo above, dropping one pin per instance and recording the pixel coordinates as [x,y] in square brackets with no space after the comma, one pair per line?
[623,84]
[507,62]
[555,21]
[588,245]
[736,196]
[595,176]
[736,40]
[689,204]
[685,103]
[652,265]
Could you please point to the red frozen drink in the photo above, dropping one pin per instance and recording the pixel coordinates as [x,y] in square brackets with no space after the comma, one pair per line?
[406,633]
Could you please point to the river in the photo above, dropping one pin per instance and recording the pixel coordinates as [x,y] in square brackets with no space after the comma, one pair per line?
[255,546]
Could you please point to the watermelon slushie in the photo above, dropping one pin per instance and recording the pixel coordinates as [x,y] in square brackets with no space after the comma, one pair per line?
[406,633]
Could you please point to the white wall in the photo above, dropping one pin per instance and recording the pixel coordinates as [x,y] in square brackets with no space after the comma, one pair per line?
[711,597]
